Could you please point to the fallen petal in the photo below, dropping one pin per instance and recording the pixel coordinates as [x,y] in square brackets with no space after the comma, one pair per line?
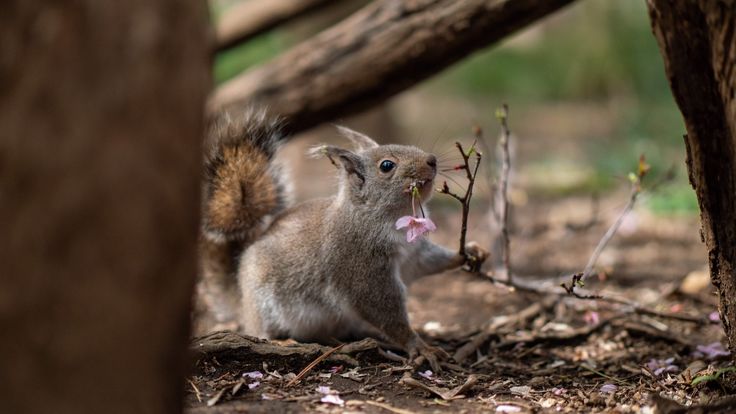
[325,390]
[608,388]
[558,391]
[426,374]
[524,390]
[713,350]
[505,408]
[332,399]
[592,318]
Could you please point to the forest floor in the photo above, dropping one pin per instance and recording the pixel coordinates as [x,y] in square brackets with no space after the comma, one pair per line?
[518,352]
[513,351]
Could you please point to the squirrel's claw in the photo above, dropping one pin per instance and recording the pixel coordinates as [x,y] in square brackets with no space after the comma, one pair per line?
[475,256]
[433,355]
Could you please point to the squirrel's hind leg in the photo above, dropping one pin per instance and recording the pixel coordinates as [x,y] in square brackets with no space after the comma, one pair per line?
[217,287]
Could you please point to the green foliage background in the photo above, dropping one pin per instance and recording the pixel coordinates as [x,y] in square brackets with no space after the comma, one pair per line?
[595,51]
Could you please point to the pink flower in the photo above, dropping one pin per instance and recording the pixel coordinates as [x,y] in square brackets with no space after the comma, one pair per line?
[416,227]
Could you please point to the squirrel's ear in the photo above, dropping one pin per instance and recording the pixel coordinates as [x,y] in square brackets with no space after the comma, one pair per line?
[349,161]
[361,141]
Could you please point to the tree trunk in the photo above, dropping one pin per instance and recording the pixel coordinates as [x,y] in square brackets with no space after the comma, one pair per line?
[101,113]
[698,42]
[381,50]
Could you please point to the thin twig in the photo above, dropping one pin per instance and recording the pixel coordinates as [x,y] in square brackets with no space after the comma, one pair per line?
[576,279]
[313,364]
[196,390]
[633,306]
[579,279]
[635,191]
[502,115]
[604,375]
[470,173]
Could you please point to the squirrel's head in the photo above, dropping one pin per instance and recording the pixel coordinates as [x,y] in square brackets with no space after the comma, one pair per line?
[381,176]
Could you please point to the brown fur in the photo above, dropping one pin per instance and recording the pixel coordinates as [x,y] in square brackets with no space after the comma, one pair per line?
[242,191]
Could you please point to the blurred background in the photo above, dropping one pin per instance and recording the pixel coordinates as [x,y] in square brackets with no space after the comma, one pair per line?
[586,88]
[587,94]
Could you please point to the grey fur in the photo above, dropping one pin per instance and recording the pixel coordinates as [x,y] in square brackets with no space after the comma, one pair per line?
[336,268]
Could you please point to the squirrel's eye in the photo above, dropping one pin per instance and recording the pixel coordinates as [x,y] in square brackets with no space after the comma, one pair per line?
[387,165]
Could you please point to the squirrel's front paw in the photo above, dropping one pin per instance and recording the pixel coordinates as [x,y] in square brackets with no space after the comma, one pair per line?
[432,354]
[475,256]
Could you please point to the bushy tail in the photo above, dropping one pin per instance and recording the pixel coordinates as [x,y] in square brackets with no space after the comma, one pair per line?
[242,190]
[242,184]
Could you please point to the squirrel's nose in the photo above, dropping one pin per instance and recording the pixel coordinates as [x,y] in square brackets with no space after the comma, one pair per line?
[432,161]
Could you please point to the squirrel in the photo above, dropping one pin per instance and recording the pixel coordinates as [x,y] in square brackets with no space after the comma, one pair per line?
[327,269]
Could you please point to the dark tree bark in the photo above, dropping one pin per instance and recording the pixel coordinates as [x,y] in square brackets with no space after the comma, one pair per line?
[698,42]
[101,113]
[251,18]
[381,50]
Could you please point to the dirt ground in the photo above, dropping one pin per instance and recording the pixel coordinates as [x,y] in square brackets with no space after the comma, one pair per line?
[513,351]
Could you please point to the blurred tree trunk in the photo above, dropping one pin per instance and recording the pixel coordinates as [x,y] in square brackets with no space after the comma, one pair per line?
[698,41]
[101,113]
[377,52]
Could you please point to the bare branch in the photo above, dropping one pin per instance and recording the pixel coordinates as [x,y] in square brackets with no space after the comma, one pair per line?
[313,364]
[634,307]
[383,49]
[470,173]
[579,279]
[502,115]
[248,19]
[610,233]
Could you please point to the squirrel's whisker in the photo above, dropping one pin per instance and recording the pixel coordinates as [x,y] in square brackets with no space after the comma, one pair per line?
[450,178]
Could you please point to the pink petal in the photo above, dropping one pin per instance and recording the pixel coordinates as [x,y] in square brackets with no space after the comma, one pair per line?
[412,234]
[426,374]
[404,221]
[324,390]
[714,316]
[427,224]
[592,318]
[332,399]
[415,226]
[507,408]
[608,388]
